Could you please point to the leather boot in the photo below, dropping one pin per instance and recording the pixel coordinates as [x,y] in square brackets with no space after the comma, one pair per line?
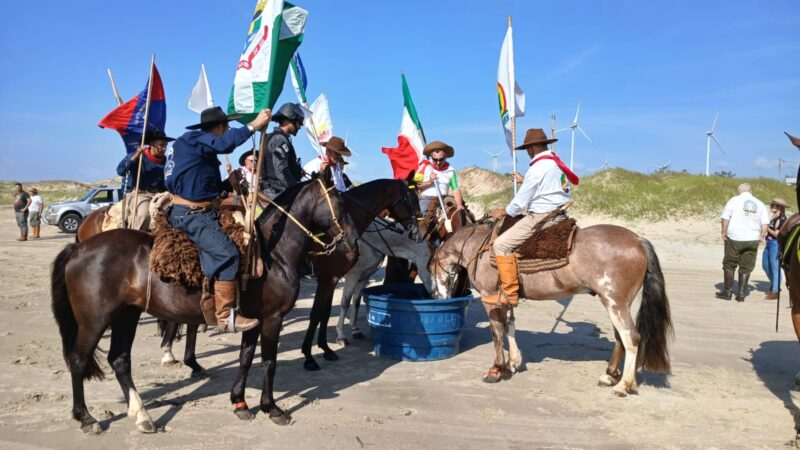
[207,304]
[36,232]
[727,290]
[741,291]
[227,319]
[509,279]
[23,236]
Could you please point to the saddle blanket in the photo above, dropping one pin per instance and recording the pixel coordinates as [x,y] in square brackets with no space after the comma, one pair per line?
[546,249]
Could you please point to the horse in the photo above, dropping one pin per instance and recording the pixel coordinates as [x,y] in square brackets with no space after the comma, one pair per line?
[607,261]
[91,224]
[790,262]
[105,281]
[382,238]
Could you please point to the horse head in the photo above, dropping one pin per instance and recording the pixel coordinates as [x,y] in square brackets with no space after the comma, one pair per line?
[330,217]
[406,210]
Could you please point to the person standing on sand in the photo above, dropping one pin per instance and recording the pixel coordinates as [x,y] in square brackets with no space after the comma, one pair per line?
[744,226]
[36,209]
[770,260]
[21,203]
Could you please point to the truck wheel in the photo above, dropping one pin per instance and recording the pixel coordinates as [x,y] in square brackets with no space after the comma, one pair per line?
[69,223]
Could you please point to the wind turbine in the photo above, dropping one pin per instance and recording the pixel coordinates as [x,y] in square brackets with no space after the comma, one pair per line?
[709,138]
[494,159]
[574,127]
[663,168]
[605,166]
[781,162]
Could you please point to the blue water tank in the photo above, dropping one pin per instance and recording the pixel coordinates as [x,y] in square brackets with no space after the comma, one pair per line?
[405,324]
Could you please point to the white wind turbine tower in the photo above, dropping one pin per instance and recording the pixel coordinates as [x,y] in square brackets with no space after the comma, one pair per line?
[709,138]
[494,159]
[574,127]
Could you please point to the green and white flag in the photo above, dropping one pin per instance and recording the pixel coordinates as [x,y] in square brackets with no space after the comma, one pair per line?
[276,32]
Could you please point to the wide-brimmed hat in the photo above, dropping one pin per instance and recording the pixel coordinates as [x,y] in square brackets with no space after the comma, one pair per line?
[535,136]
[156,135]
[336,144]
[212,116]
[34,191]
[438,145]
[779,201]
[794,140]
[244,156]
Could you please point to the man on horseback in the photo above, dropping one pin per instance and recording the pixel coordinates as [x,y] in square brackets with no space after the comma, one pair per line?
[545,189]
[281,167]
[192,176]
[437,172]
[151,181]
[335,151]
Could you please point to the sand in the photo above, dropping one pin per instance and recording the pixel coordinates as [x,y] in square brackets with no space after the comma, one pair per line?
[730,386]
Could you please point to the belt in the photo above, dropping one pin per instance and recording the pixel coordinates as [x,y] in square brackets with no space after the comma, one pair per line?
[209,204]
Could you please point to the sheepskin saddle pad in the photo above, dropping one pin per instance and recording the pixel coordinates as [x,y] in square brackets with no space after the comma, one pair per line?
[546,249]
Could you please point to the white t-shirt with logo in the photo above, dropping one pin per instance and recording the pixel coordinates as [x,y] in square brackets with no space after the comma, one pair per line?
[745,214]
[544,188]
[446,179]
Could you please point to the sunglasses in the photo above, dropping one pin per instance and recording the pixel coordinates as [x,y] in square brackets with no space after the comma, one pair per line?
[438,160]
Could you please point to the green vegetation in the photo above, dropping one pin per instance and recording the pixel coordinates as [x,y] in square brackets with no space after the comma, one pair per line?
[632,195]
[51,191]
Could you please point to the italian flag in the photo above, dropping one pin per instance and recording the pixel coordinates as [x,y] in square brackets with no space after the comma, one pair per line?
[276,32]
[406,156]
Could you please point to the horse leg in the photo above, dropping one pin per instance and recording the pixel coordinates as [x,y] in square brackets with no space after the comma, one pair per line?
[794,299]
[189,358]
[344,307]
[270,333]
[320,296]
[498,327]
[612,375]
[514,355]
[623,322]
[246,353]
[322,336]
[79,361]
[123,331]
[168,337]
[355,332]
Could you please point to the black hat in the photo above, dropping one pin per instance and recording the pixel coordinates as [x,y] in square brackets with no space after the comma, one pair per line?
[155,135]
[244,156]
[289,111]
[213,116]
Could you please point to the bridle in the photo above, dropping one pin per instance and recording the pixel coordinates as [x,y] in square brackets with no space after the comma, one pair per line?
[450,274]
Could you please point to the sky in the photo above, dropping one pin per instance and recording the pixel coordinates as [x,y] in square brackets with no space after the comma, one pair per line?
[650,77]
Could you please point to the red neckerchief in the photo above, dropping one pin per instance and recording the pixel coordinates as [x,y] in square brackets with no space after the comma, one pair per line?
[427,162]
[154,159]
[570,174]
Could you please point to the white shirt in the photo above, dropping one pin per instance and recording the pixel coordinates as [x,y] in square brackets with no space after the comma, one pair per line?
[446,179]
[246,175]
[313,166]
[544,188]
[36,203]
[745,214]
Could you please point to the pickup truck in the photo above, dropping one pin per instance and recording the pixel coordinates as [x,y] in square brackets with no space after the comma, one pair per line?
[67,215]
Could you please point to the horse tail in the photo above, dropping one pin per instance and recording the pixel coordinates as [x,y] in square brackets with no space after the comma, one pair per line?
[654,323]
[65,318]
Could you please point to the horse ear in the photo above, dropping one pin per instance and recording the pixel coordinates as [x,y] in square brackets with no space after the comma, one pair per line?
[410,178]
[327,176]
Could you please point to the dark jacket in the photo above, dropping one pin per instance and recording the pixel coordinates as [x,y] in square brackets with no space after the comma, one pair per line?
[192,169]
[281,168]
[152,179]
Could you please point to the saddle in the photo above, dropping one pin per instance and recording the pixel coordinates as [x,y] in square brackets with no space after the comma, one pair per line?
[787,239]
[546,249]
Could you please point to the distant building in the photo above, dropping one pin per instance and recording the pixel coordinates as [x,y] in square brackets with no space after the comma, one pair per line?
[790,180]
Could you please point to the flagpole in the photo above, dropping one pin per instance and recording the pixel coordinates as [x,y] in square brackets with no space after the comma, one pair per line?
[251,215]
[114,87]
[127,172]
[144,134]
[512,88]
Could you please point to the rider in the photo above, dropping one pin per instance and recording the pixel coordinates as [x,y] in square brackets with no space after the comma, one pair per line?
[245,174]
[335,151]
[545,189]
[151,181]
[437,171]
[192,176]
[281,168]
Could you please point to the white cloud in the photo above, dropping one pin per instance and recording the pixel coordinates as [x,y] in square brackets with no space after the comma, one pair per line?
[764,163]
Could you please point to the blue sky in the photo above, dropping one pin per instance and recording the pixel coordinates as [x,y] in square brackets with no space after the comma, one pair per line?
[650,77]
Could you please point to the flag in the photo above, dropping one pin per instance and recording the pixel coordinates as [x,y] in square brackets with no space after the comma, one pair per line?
[128,118]
[410,141]
[511,105]
[299,79]
[276,32]
[201,93]
[323,126]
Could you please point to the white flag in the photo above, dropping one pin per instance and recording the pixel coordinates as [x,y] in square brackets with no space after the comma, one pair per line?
[322,125]
[511,105]
[201,93]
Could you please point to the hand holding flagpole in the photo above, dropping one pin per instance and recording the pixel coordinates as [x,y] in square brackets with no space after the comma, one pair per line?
[144,133]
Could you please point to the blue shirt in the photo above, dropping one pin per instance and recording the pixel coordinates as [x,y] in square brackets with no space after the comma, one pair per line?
[192,169]
[152,178]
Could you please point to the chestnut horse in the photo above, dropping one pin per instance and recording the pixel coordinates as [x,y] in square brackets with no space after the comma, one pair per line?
[105,281]
[608,261]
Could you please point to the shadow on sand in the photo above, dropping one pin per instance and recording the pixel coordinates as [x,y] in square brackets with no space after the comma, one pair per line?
[775,363]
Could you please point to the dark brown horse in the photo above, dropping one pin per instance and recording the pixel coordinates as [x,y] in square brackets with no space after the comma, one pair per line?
[104,282]
[92,224]
[607,261]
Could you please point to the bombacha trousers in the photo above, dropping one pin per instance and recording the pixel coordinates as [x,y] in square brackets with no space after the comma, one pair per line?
[741,254]
[515,236]
[218,254]
[141,219]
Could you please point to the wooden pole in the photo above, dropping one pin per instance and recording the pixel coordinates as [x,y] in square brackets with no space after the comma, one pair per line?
[250,217]
[127,174]
[114,87]
[512,88]
[144,134]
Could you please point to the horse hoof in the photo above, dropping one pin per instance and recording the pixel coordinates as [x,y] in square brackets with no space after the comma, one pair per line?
[606,381]
[244,413]
[343,342]
[310,364]
[357,335]
[491,379]
[620,393]
[199,374]
[146,427]
[330,355]
[168,362]
[92,428]
[280,418]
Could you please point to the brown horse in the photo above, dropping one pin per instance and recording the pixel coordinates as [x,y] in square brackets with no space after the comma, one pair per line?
[92,224]
[791,267]
[105,281]
[608,261]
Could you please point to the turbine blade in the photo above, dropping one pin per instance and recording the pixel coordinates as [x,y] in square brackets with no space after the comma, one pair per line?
[718,144]
[585,135]
[578,111]
[563,129]
[714,124]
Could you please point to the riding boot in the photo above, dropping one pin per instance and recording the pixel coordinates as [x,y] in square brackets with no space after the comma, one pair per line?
[228,321]
[727,290]
[509,279]
[207,304]
[23,236]
[741,292]
[36,232]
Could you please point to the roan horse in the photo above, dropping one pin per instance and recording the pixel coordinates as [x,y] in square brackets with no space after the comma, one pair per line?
[105,281]
[608,261]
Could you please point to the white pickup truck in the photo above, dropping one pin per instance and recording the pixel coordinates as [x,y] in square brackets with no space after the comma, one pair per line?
[68,215]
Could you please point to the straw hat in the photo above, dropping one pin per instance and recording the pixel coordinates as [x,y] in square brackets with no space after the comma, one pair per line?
[779,202]
[336,144]
[438,145]
[535,136]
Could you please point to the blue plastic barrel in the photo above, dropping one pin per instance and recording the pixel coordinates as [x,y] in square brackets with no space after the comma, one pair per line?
[407,325]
